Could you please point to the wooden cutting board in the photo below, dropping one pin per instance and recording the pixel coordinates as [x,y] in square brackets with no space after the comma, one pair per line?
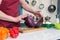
[26,30]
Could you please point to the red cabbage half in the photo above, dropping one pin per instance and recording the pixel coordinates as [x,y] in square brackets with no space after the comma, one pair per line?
[29,21]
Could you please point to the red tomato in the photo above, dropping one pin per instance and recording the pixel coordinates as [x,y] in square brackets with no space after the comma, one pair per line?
[14,36]
[11,31]
[14,32]
[16,29]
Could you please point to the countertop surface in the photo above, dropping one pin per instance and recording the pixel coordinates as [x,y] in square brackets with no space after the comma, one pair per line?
[48,34]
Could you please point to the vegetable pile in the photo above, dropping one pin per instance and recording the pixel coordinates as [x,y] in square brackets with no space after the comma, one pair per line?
[14,32]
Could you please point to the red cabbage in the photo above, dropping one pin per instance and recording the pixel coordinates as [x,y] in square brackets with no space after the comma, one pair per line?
[29,21]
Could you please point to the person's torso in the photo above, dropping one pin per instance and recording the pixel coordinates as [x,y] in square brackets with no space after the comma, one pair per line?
[9,7]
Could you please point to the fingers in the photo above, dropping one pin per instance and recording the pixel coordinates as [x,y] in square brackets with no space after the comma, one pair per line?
[24,15]
[39,13]
[21,17]
[22,20]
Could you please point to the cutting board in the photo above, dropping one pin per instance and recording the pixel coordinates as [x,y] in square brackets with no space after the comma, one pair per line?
[26,30]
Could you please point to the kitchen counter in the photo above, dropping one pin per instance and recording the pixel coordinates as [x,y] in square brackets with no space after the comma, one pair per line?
[46,34]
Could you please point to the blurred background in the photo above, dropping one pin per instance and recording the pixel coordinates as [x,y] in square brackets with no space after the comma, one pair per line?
[44,10]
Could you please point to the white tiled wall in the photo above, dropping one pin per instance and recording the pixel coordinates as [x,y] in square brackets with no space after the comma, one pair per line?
[44,11]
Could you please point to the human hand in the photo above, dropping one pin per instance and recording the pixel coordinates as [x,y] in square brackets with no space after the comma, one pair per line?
[21,17]
[37,13]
